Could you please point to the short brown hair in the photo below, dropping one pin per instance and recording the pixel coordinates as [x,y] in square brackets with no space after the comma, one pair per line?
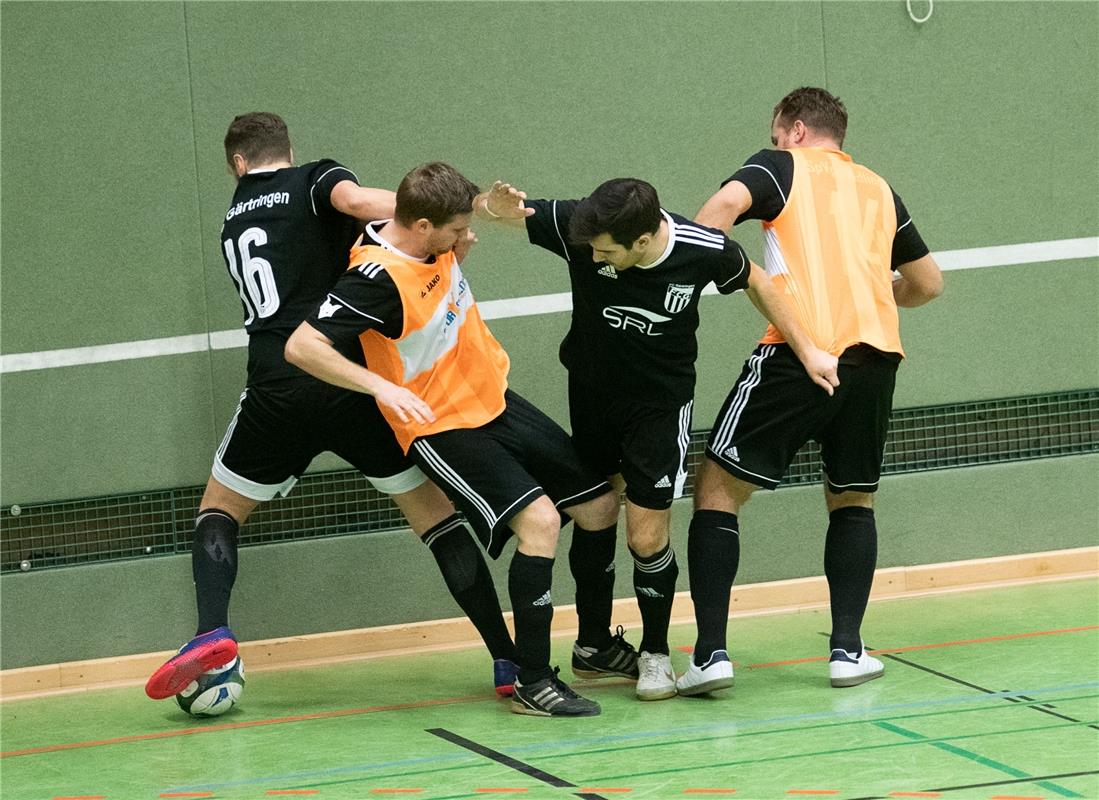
[436,192]
[259,136]
[816,108]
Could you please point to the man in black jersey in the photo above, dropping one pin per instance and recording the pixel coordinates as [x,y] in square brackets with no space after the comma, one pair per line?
[637,274]
[845,249]
[285,240]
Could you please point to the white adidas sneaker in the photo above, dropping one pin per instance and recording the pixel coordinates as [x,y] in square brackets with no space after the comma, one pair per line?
[851,669]
[655,681]
[717,673]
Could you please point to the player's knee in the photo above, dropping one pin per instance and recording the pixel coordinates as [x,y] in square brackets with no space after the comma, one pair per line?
[537,526]
[598,513]
[717,490]
[847,499]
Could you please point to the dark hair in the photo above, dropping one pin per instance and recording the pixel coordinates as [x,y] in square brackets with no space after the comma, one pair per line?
[817,108]
[436,192]
[259,136]
[625,208]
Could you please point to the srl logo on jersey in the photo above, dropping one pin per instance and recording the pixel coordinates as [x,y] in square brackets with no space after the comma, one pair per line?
[678,296]
[630,318]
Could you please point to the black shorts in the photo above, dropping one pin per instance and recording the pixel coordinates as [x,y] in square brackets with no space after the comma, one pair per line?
[280,427]
[775,408]
[493,472]
[646,444]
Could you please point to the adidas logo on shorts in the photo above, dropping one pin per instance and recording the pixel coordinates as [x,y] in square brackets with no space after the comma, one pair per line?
[664,483]
[544,600]
[731,453]
[607,271]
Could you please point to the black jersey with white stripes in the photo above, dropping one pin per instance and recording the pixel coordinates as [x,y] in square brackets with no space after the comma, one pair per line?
[284,246]
[769,175]
[634,331]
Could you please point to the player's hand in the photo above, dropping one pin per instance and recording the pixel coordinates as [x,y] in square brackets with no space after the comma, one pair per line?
[822,367]
[405,404]
[463,246]
[505,201]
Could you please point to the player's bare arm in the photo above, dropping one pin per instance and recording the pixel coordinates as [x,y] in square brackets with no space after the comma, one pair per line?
[502,203]
[725,206]
[820,365]
[312,351]
[920,281]
[363,202]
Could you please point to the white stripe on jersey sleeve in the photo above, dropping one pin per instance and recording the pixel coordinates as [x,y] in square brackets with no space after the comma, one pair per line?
[758,166]
[312,200]
[701,233]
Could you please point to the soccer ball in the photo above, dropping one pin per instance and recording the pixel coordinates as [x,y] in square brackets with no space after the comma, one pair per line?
[215,692]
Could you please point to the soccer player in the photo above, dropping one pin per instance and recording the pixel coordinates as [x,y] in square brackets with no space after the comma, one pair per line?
[285,240]
[440,379]
[637,274]
[834,235]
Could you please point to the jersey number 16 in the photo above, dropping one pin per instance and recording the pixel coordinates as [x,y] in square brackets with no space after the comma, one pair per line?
[255,279]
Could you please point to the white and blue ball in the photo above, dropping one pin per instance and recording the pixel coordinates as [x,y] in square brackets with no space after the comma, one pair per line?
[215,691]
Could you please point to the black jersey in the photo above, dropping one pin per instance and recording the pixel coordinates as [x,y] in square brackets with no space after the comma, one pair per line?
[769,175]
[633,331]
[284,246]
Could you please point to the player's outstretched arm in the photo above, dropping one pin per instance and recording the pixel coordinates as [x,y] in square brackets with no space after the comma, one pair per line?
[724,207]
[820,365]
[363,202]
[920,281]
[312,351]
[502,203]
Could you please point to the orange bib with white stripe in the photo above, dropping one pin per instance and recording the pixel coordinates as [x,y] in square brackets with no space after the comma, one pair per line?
[445,354]
[830,251]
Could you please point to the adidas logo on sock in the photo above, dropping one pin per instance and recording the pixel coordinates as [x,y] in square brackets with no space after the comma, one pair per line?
[648,591]
[730,452]
[664,483]
[544,600]
[608,271]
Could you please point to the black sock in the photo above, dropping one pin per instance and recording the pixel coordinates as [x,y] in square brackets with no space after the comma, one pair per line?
[654,584]
[713,555]
[850,554]
[470,582]
[591,559]
[529,581]
[214,566]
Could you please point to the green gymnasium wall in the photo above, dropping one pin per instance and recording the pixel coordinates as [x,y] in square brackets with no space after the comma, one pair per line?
[985,119]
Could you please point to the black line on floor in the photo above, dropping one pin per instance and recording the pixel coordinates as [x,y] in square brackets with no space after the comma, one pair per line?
[979,688]
[508,761]
[991,783]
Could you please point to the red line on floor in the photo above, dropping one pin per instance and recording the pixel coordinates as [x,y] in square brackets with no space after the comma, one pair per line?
[910,648]
[348,712]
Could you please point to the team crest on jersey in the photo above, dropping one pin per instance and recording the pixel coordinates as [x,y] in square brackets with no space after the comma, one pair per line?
[678,296]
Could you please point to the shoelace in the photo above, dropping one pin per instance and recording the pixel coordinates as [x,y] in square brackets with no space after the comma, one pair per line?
[651,668]
[562,687]
[619,638]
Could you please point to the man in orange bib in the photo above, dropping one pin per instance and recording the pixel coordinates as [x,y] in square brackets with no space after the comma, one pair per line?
[440,379]
[834,233]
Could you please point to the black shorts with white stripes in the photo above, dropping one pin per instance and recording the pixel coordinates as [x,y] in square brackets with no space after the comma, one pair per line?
[280,426]
[646,443]
[493,472]
[774,408]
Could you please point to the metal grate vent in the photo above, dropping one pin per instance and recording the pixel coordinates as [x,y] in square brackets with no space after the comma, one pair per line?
[342,502]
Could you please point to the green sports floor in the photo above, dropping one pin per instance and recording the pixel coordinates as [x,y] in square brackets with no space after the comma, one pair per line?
[988,694]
